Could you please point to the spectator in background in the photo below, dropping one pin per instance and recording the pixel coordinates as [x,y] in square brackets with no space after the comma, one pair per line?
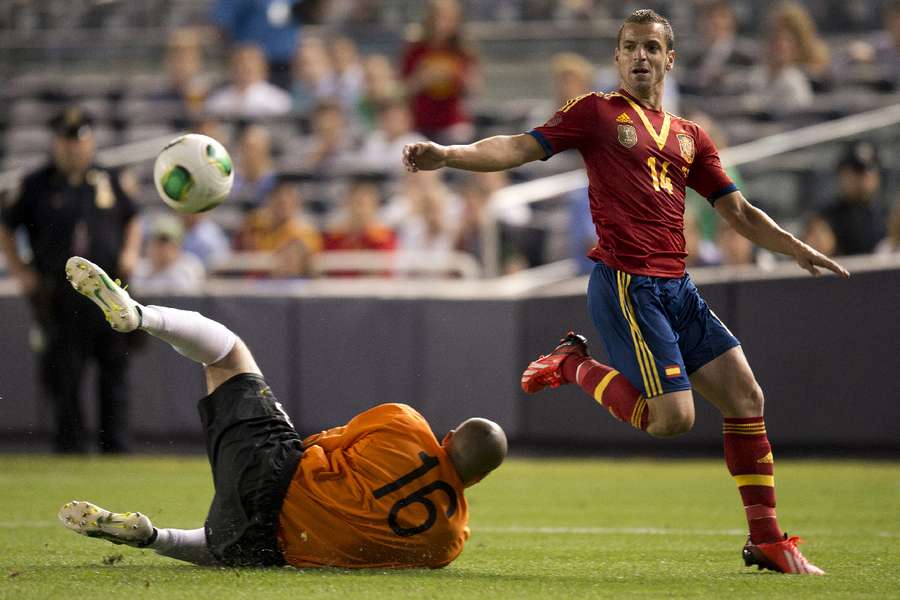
[205,239]
[581,234]
[700,252]
[358,227]
[268,24]
[573,76]
[887,46]
[856,219]
[383,145]
[332,146]
[214,128]
[166,267]
[720,50]
[280,228]
[380,85]
[891,242]
[818,234]
[736,250]
[780,86]
[883,49]
[811,54]
[426,214]
[186,81]
[74,206]
[255,174]
[476,192]
[707,218]
[249,95]
[348,71]
[440,70]
[314,79]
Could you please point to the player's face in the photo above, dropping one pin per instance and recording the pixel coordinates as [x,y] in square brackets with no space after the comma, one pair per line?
[642,56]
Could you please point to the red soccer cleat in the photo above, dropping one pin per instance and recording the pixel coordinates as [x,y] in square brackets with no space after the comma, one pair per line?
[783,557]
[546,371]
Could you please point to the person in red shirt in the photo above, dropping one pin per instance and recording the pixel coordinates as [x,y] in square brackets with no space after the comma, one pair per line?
[662,339]
[380,491]
[439,70]
[359,228]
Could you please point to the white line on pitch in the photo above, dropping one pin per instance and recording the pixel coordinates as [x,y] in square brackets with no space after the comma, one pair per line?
[606,530]
[50,523]
[639,531]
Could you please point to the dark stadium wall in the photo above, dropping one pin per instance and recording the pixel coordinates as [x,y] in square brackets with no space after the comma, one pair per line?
[824,350]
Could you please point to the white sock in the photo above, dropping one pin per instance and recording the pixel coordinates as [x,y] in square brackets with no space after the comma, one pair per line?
[190,333]
[188,545]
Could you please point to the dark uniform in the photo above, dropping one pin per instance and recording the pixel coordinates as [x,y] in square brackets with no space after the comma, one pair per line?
[88,219]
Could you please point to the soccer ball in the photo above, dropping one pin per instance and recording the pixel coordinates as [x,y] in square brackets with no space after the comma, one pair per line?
[193,173]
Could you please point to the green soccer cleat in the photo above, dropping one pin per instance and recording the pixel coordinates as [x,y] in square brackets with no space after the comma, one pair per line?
[121,312]
[131,529]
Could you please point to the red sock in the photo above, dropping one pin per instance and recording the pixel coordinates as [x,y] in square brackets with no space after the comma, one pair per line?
[610,388]
[749,459]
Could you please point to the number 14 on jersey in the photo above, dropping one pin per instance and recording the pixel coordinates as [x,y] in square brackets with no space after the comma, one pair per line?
[660,180]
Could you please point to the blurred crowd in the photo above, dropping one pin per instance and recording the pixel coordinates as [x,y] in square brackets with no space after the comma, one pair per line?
[316,127]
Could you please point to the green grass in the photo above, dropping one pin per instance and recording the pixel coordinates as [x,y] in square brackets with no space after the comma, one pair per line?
[540,529]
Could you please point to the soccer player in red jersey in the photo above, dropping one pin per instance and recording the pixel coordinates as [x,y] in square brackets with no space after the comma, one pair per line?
[662,339]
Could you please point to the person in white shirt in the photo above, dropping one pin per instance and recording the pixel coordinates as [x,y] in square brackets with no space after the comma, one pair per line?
[165,266]
[249,95]
[394,131]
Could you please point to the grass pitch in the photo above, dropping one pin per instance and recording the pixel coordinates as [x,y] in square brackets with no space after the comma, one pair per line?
[540,529]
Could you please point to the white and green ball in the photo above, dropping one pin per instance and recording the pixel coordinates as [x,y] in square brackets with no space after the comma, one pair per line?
[193,173]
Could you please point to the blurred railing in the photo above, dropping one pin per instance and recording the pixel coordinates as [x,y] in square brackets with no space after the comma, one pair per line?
[362,263]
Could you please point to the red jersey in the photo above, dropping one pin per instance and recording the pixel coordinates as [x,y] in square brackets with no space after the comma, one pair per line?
[378,492]
[639,162]
[441,104]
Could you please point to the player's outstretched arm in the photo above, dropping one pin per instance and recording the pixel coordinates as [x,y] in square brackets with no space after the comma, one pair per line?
[496,153]
[759,228]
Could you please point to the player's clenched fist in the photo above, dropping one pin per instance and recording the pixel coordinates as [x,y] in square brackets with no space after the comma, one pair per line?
[424,156]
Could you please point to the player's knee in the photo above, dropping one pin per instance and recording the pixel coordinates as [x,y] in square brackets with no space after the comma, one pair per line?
[750,401]
[239,360]
[673,422]
[755,399]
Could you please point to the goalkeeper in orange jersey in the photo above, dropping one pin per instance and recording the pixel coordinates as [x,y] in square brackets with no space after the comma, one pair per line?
[380,491]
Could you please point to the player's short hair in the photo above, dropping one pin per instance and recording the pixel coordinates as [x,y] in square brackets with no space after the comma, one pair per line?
[645,16]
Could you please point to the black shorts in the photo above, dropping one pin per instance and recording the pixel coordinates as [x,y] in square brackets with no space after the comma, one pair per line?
[253,451]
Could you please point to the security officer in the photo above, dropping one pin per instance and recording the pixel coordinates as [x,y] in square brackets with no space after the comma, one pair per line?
[73,206]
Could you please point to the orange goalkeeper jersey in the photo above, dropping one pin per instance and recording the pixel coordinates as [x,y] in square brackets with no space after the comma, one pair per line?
[378,492]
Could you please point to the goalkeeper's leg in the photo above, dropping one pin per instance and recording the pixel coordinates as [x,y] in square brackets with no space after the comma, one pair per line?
[191,334]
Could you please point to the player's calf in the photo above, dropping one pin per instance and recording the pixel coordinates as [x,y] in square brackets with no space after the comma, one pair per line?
[570,362]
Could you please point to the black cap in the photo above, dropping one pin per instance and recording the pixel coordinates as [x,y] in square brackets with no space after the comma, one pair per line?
[72,122]
[861,156]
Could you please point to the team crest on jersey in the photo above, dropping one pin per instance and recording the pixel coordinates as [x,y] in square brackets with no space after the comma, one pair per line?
[686,145]
[627,135]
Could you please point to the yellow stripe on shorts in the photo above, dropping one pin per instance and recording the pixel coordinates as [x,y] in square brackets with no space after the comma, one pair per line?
[650,375]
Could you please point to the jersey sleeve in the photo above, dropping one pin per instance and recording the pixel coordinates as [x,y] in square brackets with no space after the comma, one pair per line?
[707,177]
[573,124]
